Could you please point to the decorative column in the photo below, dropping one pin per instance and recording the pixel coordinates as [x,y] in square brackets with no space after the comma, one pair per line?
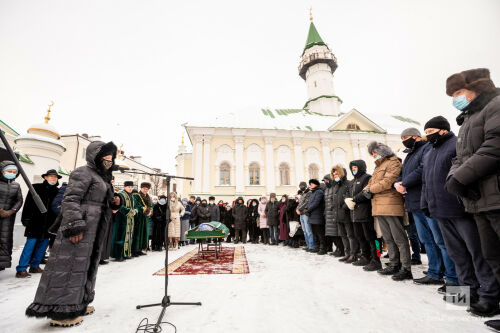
[197,163]
[238,144]
[269,165]
[206,164]
[327,162]
[299,161]
[355,147]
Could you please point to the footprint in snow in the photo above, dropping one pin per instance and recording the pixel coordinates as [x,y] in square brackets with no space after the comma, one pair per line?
[345,310]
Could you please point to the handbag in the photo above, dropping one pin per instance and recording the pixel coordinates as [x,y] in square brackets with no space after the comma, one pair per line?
[294,226]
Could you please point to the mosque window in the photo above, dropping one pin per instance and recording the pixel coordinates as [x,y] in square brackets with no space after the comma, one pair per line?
[284,174]
[315,85]
[353,127]
[313,171]
[254,173]
[225,174]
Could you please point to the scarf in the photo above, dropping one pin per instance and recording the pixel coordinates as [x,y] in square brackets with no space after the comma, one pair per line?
[146,200]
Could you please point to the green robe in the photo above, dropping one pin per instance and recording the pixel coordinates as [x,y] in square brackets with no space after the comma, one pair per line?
[140,239]
[123,228]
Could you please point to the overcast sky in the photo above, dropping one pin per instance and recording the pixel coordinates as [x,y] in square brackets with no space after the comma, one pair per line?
[133,71]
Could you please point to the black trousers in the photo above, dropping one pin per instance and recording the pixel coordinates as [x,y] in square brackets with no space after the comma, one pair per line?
[240,235]
[462,239]
[366,235]
[265,235]
[318,231]
[488,225]
[253,231]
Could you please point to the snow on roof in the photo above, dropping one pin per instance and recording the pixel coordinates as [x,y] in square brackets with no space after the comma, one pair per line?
[295,119]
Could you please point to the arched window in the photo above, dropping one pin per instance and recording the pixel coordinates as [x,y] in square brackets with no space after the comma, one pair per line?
[314,171]
[339,156]
[254,173]
[284,174]
[225,174]
[353,127]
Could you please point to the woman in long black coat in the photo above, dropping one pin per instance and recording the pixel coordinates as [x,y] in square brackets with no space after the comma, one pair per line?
[67,284]
[160,215]
[11,200]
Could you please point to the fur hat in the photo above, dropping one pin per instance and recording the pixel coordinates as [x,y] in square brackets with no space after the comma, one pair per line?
[438,122]
[211,198]
[128,183]
[380,148]
[477,80]
[272,195]
[412,131]
[340,170]
[146,185]
[313,181]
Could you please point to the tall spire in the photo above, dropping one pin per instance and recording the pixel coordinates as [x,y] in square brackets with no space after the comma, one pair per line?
[47,117]
[313,37]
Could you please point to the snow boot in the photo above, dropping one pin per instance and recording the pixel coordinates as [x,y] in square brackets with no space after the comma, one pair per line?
[374,265]
[90,310]
[351,259]
[484,309]
[403,274]
[416,262]
[493,325]
[66,322]
[389,270]
[322,252]
[361,262]
[23,274]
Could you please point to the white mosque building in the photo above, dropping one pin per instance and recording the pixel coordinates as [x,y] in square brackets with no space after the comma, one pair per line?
[251,153]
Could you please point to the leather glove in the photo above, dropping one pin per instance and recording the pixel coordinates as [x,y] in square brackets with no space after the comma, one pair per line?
[350,203]
[453,186]
[426,212]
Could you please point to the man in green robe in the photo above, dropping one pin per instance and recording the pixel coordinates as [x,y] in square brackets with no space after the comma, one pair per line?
[142,203]
[123,227]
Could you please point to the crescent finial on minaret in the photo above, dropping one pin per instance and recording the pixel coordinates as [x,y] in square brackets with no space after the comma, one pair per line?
[47,117]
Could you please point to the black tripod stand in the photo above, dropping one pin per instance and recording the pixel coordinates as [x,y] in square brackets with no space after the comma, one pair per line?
[165,303]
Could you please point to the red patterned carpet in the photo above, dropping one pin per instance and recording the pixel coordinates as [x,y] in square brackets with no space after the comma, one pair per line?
[231,260]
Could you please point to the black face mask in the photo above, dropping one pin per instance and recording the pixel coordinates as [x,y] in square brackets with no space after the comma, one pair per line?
[302,188]
[328,184]
[409,143]
[433,138]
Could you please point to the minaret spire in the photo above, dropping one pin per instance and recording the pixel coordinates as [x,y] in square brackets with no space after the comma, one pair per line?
[47,117]
[311,13]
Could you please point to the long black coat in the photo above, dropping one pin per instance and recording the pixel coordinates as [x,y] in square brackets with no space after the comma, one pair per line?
[437,164]
[478,152]
[316,206]
[240,212]
[37,224]
[331,226]
[340,192]
[411,175]
[10,199]
[68,282]
[273,213]
[363,210]
[203,214]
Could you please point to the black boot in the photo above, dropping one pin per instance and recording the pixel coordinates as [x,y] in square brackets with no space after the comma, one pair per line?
[403,274]
[389,270]
[484,309]
[427,280]
[361,262]
[351,259]
[493,325]
[344,258]
[322,252]
[374,265]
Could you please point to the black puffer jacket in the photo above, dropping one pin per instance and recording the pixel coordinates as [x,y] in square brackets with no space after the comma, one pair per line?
[273,213]
[478,152]
[340,192]
[10,199]
[36,223]
[240,213]
[203,214]
[331,226]
[363,210]
[67,284]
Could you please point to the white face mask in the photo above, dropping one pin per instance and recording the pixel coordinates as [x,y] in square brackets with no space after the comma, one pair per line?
[173,199]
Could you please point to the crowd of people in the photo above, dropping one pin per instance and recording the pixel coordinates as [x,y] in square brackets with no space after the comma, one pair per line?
[444,198]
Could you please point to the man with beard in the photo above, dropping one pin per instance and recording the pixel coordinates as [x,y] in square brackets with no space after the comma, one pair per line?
[123,228]
[142,203]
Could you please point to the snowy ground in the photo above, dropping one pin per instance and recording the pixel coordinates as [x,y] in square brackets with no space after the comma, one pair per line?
[287,290]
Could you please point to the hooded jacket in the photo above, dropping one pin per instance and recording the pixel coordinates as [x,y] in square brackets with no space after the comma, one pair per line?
[316,206]
[68,281]
[331,227]
[240,212]
[273,213]
[340,192]
[363,210]
[386,201]
[478,152]
[11,198]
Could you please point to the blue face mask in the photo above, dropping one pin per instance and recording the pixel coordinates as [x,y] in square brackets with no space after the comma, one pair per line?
[10,175]
[460,102]
[355,172]
[378,157]
[163,201]
[52,183]
[337,179]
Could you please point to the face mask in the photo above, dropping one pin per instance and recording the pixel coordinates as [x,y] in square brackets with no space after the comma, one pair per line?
[283,200]
[337,179]
[264,201]
[220,205]
[378,157]
[433,138]
[355,172]
[107,164]
[197,202]
[184,203]
[52,183]
[155,202]
[173,199]
[10,175]
[460,102]
[409,143]
[254,204]
[204,204]
[162,202]
[211,202]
